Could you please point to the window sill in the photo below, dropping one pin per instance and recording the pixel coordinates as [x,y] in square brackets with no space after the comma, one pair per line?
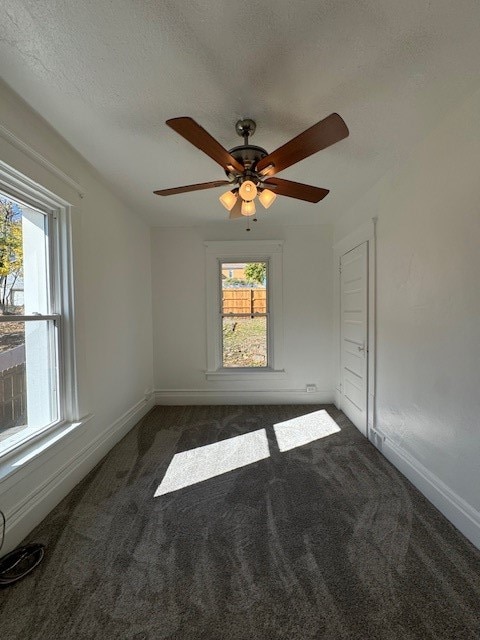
[244,374]
[15,458]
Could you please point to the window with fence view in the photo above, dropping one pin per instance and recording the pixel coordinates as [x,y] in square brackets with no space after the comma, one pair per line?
[28,331]
[244,312]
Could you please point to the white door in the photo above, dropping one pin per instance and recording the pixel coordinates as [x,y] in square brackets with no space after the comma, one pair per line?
[353,333]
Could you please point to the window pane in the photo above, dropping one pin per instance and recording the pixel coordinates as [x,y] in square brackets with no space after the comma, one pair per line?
[28,374]
[244,341]
[13,397]
[35,262]
[28,354]
[23,259]
[244,287]
[244,292]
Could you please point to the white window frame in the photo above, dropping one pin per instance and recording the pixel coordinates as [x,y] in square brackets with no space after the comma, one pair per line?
[218,252]
[15,185]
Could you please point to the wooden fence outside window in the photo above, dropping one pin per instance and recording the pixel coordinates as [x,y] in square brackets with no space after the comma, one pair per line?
[244,301]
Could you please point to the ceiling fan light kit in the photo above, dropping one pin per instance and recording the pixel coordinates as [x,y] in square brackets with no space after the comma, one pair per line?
[250,170]
[248,208]
[267,197]
[228,199]
[248,190]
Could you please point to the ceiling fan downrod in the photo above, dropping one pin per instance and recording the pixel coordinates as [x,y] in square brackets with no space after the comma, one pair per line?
[247,155]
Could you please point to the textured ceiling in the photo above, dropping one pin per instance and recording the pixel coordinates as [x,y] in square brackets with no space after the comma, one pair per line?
[108,73]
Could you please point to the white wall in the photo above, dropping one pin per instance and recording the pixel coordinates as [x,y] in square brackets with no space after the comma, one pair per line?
[179,314]
[113,310]
[428,313]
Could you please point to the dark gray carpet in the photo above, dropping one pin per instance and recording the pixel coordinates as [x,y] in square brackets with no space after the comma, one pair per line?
[326,540]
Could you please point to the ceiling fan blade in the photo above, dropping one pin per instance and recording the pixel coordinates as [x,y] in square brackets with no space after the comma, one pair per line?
[323,134]
[196,135]
[296,190]
[236,212]
[191,187]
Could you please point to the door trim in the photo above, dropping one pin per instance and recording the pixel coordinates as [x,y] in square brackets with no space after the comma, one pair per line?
[365,233]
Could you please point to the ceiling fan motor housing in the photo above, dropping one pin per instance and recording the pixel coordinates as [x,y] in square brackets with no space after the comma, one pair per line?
[248,155]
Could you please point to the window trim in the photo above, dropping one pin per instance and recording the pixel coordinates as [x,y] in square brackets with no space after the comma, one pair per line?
[270,251]
[22,189]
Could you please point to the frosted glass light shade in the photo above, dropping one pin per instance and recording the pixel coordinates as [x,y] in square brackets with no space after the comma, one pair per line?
[228,200]
[248,208]
[248,190]
[267,197]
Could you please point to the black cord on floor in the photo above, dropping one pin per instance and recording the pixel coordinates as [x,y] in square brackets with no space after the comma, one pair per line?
[19,562]
[2,529]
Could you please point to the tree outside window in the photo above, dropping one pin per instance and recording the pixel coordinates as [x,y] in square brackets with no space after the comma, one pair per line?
[11,254]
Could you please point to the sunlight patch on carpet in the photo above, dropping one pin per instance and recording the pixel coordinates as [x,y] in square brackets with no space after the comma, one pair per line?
[304,429]
[202,463]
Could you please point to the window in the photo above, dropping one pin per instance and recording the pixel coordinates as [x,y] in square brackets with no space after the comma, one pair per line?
[35,386]
[244,315]
[244,308]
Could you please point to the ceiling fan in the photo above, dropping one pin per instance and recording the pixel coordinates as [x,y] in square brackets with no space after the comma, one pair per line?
[250,169]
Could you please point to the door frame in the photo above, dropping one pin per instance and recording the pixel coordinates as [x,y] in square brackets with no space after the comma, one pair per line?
[365,233]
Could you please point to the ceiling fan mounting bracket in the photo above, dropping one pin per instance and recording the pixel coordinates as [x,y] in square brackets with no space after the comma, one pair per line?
[245,128]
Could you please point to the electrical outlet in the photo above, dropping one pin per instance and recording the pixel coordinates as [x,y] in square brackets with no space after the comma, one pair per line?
[311,388]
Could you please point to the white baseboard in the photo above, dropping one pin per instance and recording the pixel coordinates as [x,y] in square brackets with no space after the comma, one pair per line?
[337,400]
[239,396]
[461,514]
[35,506]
